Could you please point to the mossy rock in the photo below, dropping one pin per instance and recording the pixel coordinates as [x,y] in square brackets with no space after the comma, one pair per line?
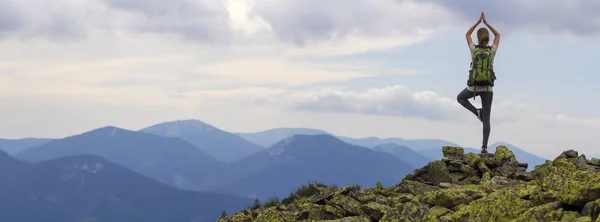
[413,187]
[349,219]
[453,152]
[503,154]
[438,173]
[436,212]
[563,181]
[410,211]
[452,197]
[347,204]
[503,204]
[472,159]
[475,180]
[375,210]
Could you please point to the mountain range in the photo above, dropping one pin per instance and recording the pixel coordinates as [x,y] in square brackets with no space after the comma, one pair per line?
[17,145]
[402,152]
[180,154]
[91,188]
[299,159]
[221,145]
[172,161]
[429,148]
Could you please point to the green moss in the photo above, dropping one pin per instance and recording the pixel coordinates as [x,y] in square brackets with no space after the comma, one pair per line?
[350,219]
[483,168]
[554,191]
[273,215]
[583,219]
[375,210]
[410,211]
[500,205]
[413,187]
[438,172]
[503,154]
[563,181]
[451,197]
[472,159]
[453,152]
[538,213]
[436,212]
[346,203]
[471,180]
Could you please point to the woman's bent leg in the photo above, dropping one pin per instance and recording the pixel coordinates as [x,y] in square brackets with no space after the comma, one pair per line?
[463,98]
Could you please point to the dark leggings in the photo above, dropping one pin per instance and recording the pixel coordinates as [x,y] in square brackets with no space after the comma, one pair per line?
[486,104]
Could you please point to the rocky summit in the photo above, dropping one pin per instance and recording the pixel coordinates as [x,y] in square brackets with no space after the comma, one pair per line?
[459,187]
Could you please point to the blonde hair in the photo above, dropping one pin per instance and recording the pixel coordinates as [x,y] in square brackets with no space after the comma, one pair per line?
[483,36]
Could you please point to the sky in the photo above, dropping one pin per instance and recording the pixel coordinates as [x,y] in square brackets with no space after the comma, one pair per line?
[358,68]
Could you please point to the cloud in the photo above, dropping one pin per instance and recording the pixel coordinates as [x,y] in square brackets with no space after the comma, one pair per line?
[390,101]
[199,20]
[400,101]
[10,18]
[578,17]
[308,21]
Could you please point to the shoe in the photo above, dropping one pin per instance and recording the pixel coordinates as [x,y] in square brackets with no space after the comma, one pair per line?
[484,149]
[479,114]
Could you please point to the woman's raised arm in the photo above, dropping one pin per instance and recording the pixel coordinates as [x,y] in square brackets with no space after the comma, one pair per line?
[470,31]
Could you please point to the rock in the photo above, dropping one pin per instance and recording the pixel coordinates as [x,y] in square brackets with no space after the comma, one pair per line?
[581,161]
[452,197]
[595,162]
[474,187]
[504,203]
[448,185]
[503,154]
[561,180]
[410,211]
[587,209]
[471,159]
[453,153]
[523,165]
[482,167]
[412,187]
[379,186]
[468,171]
[541,212]
[568,154]
[438,172]
[595,211]
[375,210]
[471,180]
[436,212]
[506,171]
[355,219]
[455,165]
[347,204]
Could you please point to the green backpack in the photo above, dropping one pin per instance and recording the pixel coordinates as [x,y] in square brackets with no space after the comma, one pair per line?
[482,71]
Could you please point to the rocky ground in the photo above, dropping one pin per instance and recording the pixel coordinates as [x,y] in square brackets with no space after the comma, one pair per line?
[460,187]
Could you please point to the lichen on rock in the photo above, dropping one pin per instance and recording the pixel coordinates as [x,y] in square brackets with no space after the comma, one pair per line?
[460,187]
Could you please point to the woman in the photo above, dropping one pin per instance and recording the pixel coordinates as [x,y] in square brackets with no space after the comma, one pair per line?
[482,57]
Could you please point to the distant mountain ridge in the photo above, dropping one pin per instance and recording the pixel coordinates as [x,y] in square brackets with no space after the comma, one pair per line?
[223,146]
[299,159]
[12,146]
[171,161]
[90,188]
[270,137]
[430,148]
[404,153]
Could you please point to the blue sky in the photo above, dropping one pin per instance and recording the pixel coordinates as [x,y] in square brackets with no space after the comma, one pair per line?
[370,68]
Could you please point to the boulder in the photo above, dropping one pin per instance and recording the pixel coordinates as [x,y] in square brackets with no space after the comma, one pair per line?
[460,187]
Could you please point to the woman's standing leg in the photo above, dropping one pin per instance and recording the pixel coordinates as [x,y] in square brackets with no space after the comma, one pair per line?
[486,105]
[463,98]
